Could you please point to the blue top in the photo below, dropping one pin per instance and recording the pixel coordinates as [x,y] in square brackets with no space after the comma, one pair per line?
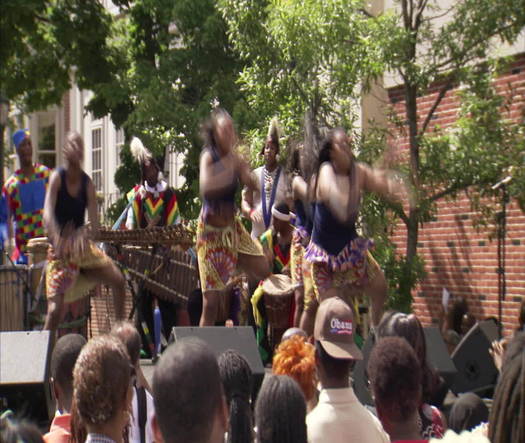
[303,218]
[329,233]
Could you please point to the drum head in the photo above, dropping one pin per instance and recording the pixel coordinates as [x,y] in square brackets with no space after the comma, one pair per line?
[278,284]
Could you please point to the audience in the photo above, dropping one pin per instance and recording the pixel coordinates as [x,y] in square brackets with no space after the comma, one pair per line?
[280,411]
[290,332]
[339,417]
[395,377]
[188,396]
[102,381]
[507,415]
[140,430]
[236,377]
[15,431]
[468,412]
[296,358]
[407,326]
[63,359]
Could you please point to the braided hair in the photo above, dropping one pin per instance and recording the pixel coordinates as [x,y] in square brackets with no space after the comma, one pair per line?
[236,377]
[507,416]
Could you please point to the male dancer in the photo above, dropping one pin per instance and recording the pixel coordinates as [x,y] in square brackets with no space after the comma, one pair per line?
[272,186]
[25,191]
[75,264]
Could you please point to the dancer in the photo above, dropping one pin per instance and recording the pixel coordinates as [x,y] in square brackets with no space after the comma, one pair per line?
[75,264]
[272,185]
[25,192]
[223,244]
[340,260]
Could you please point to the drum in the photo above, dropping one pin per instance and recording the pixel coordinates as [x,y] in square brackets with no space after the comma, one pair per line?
[37,253]
[12,294]
[278,299]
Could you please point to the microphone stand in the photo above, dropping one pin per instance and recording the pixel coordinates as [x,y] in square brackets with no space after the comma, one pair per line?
[501,218]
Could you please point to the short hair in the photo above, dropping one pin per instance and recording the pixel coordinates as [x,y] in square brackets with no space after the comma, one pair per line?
[296,358]
[13,430]
[63,359]
[236,377]
[126,332]
[395,376]
[280,411]
[468,411]
[507,415]
[101,378]
[187,391]
[338,368]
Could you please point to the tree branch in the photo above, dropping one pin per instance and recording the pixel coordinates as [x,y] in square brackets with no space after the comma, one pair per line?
[438,100]
[455,187]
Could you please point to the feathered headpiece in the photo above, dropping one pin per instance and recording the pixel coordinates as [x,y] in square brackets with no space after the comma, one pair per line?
[274,133]
[139,151]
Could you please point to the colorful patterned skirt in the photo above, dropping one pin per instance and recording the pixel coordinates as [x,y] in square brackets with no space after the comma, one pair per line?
[218,250]
[65,277]
[300,268]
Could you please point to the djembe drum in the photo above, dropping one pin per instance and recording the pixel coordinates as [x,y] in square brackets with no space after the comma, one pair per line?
[278,300]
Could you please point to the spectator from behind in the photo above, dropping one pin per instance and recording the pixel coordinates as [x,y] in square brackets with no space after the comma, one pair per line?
[188,396]
[280,411]
[395,377]
[339,417]
[102,380]
[236,377]
[140,430]
[63,359]
[296,358]
[407,326]
[14,431]
[507,415]
[468,412]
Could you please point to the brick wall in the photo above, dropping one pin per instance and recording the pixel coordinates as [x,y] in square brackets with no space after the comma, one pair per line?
[456,255]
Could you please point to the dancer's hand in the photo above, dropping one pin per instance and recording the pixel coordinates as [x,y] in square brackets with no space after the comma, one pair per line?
[497,352]
[255,216]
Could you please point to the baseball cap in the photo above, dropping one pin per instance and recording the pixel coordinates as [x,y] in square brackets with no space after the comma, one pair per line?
[19,136]
[334,329]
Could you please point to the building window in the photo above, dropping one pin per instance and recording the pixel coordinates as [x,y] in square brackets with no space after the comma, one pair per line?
[119,142]
[96,153]
[46,146]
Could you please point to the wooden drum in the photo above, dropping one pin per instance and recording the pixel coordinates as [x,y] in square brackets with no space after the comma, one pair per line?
[12,296]
[278,298]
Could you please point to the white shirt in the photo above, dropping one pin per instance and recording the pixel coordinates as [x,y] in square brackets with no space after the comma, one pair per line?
[134,431]
[280,196]
[339,417]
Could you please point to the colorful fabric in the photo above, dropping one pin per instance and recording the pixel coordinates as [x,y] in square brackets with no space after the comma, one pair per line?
[148,206]
[218,250]
[300,269]
[19,136]
[281,258]
[64,277]
[25,199]
[261,323]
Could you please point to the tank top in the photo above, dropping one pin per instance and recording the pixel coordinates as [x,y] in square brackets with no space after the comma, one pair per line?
[69,208]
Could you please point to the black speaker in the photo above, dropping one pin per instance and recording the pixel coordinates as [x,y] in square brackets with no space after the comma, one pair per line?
[220,339]
[24,374]
[476,370]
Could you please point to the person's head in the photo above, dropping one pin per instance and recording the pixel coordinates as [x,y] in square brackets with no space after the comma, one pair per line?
[281,218]
[280,411]
[188,395]
[74,148]
[456,314]
[296,358]
[16,431]
[24,147]
[336,148]
[291,332]
[507,414]
[468,411]
[334,341]
[271,145]
[398,324]
[63,359]
[150,172]
[395,377]
[127,333]
[236,377]
[102,381]
[218,131]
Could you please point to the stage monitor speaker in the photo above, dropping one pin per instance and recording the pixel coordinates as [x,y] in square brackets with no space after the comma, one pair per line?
[220,339]
[476,370]
[24,374]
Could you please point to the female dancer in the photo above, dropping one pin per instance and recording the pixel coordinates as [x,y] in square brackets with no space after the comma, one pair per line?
[340,260]
[222,241]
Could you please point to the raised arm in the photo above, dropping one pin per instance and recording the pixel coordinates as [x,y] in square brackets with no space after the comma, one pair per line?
[382,183]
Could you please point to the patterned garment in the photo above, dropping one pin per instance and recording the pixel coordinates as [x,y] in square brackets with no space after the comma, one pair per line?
[218,250]
[281,258]
[25,197]
[64,277]
[147,206]
[300,269]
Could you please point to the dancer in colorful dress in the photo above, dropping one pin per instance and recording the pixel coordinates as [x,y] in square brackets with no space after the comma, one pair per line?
[75,263]
[340,259]
[272,185]
[223,244]
[25,191]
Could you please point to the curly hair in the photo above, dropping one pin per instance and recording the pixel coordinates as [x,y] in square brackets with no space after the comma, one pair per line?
[101,380]
[296,358]
[395,376]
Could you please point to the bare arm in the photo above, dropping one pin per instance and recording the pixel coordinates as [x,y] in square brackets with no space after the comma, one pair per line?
[215,178]
[332,195]
[299,189]
[247,202]
[382,183]
[50,201]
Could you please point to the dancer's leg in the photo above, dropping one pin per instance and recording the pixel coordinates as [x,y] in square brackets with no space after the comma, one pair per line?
[210,306]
